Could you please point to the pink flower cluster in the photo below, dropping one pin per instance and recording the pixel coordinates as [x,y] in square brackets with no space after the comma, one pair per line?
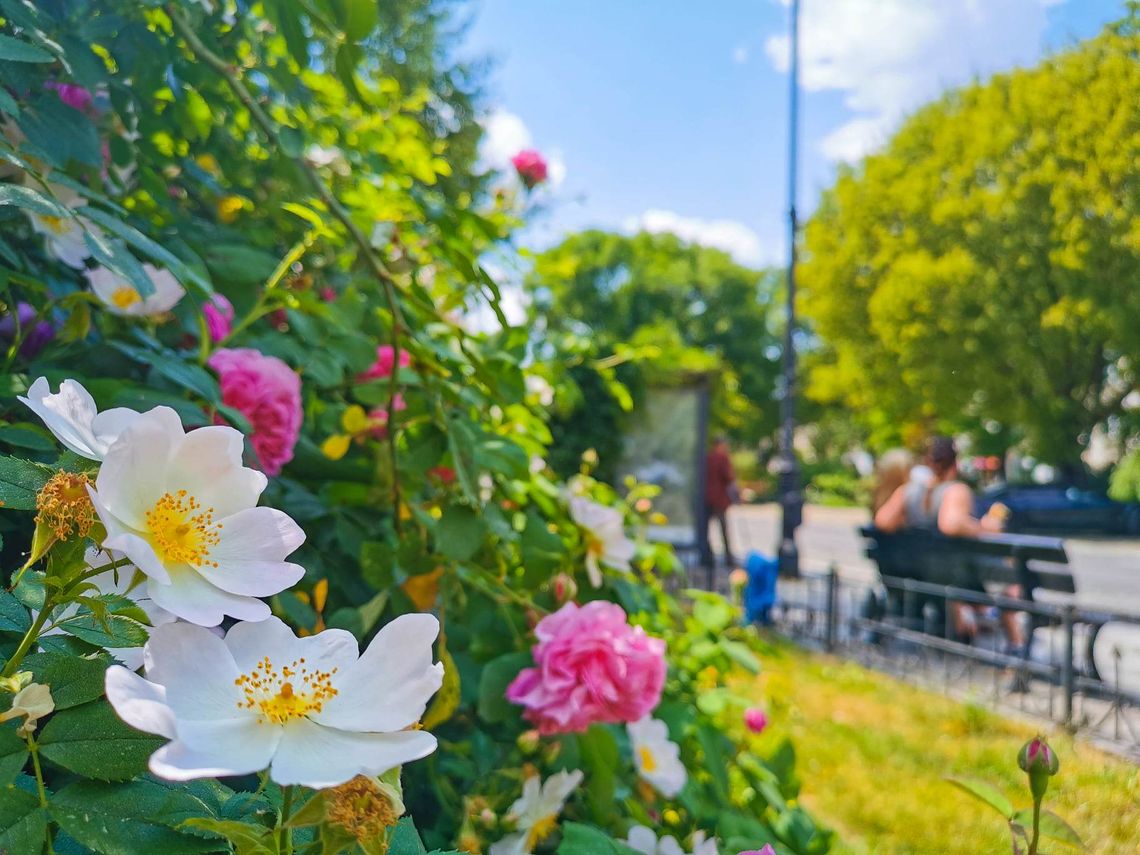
[268,393]
[590,666]
[531,167]
[385,362]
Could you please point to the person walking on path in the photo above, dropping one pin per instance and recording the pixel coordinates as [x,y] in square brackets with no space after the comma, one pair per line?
[720,491]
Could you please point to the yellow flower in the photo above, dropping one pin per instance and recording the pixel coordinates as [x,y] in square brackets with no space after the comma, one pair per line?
[356,424]
[229,207]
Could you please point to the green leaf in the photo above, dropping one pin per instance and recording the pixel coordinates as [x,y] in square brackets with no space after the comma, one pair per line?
[985,793]
[1052,826]
[740,654]
[13,616]
[360,18]
[91,740]
[497,675]
[20,481]
[16,50]
[579,839]
[13,752]
[73,679]
[185,375]
[248,839]
[600,755]
[459,532]
[405,839]
[32,200]
[148,247]
[711,611]
[23,437]
[23,823]
[104,630]
[132,818]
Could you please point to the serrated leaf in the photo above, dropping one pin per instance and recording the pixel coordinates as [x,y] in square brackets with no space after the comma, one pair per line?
[73,679]
[1052,826]
[985,793]
[13,753]
[14,616]
[90,740]
[20,481]
[23,823]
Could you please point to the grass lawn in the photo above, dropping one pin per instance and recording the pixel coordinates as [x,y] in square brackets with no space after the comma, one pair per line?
[872,753]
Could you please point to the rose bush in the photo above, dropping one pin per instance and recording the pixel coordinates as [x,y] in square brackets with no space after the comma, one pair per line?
[249,444]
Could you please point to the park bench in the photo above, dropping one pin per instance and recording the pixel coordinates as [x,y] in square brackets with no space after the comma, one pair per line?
[1035,563]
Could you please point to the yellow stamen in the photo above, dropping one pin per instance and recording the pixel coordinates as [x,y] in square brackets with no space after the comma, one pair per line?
[64,506]
[361,808]
[540,831]
[124,297]
[284,694]
[181,531]
[648,761]
[56,225]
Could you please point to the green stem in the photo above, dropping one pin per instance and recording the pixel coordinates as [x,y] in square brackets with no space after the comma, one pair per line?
[285,834]
[26,642]
[1036,826]
[34,750]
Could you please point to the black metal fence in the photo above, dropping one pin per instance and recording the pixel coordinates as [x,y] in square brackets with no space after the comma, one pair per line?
[1071,673]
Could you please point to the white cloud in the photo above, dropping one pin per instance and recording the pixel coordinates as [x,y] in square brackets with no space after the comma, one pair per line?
[505,135]
[735,238]
[740,55]
[889,56]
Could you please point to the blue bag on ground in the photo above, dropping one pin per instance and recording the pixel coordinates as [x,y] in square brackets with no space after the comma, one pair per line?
[760,592]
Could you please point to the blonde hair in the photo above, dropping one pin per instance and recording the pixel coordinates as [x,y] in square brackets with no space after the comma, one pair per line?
[891,472]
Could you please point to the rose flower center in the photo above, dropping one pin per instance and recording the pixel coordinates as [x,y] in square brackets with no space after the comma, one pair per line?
[648,761]
[290,692]
[181,531]
[125,296]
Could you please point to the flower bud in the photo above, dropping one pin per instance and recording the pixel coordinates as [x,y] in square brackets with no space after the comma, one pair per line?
[755,719]
[528,741]
[1040,763]
[488,818]
[671,817]
[738,578]
[563,587]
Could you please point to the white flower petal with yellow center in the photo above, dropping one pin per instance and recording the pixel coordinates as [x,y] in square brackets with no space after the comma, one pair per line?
[64,235]
[536,812]
[657,758]
[313,710]
[642,839]
[182,507]
[604,531]
[72,416]
[122,298]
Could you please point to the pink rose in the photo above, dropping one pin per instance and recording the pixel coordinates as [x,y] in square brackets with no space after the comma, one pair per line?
[590,666]
[219,314]
[767,850]
[268,393]
[755,719]
[379,416]
[385,359]
[531,167]
[72,94]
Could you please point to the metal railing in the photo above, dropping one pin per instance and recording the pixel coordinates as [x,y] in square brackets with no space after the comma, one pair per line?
[905,627]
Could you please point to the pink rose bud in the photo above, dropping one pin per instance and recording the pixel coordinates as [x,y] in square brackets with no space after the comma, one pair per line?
[563,587]
[1037,756]
[767,850]
[219,314]
[531,168]
[755,719]
[528,741]
[328,294]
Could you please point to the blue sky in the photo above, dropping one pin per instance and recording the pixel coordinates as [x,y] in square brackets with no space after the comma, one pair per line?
[672,114]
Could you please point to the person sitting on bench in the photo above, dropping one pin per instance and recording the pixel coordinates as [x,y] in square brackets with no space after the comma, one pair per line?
[946,504]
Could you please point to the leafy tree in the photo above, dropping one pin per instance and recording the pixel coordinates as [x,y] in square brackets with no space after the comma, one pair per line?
[684,308]
[983,266]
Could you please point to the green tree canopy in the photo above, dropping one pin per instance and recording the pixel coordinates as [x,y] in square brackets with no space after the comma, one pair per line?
[684,308]
[984,267]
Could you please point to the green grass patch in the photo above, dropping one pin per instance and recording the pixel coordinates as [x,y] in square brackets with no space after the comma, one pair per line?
[873,752]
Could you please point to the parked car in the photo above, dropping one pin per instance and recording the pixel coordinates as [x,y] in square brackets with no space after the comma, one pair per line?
[1056,508]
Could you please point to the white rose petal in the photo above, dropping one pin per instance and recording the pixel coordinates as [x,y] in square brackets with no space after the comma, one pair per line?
[122,298]
[182,507]
[658,760]
[255,700]
[71,415]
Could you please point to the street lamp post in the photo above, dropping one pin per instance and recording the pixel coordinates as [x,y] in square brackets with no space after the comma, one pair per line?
[791,499]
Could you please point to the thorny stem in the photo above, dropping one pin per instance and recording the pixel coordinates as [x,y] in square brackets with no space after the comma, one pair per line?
[269,128]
